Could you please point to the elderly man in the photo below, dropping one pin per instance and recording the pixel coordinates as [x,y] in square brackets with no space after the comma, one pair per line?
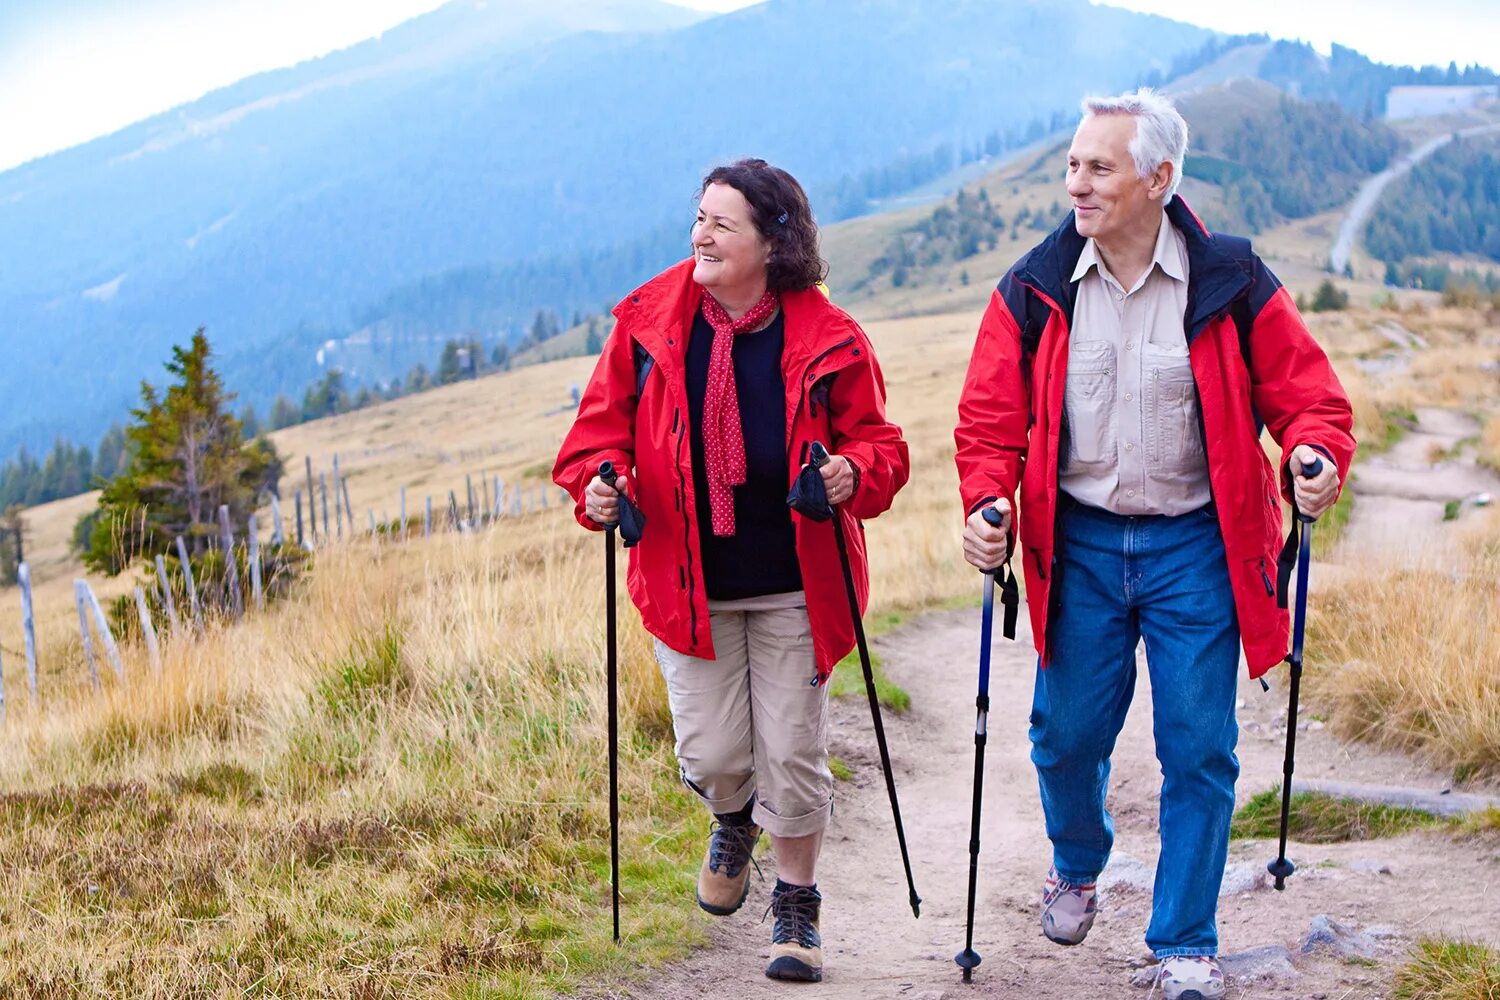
[1120,378]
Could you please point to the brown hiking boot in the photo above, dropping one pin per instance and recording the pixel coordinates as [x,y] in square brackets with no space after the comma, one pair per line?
[796,947]
[724,879]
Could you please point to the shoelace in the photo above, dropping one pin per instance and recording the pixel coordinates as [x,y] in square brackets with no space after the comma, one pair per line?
[729,847]
[795,912]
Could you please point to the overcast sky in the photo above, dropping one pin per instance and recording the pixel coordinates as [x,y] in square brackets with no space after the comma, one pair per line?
[71,70]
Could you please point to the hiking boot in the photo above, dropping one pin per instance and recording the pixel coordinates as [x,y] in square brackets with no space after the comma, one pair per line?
[724,879]
[796,948]
[1193,977]
[1067,909]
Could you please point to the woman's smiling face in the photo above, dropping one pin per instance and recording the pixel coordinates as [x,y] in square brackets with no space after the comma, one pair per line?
[729,254]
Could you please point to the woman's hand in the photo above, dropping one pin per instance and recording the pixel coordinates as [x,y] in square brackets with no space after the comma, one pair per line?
[601,502]
[838,479]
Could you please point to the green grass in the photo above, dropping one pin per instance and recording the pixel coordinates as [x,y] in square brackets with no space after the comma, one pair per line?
[1451,509]
[840,769]
[1322,819]
[1395,423]
[1448,970]
[848,676]
[1484,822]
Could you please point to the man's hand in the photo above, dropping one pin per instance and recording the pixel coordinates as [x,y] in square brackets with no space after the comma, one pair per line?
[838,479]
[602,502]
[985,544]
[1315,495]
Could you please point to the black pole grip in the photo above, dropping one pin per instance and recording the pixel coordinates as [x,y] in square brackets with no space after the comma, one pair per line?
[818,455]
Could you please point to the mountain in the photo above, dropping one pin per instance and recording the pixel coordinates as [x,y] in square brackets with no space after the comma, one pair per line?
[276,211]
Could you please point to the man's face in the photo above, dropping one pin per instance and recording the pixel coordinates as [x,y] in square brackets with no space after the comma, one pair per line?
[1109,198]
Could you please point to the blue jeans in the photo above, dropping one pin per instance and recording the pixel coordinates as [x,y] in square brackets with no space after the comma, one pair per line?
[1119,579]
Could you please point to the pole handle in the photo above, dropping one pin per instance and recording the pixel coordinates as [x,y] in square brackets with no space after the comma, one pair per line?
[818,455]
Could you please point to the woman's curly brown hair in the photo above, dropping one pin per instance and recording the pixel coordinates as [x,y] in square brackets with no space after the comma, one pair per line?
[782,216]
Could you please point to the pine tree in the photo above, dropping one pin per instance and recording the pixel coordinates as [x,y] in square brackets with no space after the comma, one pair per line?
[187,456]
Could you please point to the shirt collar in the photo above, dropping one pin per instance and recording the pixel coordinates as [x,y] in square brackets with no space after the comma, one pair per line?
[1169,254]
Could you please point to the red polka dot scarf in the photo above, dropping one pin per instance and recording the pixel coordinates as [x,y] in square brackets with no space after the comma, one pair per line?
[723,437]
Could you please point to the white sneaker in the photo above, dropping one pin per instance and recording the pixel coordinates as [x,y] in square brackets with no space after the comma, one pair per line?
[1193,977]
[1067,909]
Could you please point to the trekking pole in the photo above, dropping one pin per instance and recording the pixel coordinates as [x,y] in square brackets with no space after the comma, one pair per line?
[1010,597]
[1281,869]
[608,475]
[819,458]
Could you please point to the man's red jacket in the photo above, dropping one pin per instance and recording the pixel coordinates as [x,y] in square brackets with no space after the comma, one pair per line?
[1010,416]
[634,414]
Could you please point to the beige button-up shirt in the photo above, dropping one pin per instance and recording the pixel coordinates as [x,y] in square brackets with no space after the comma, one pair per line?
[1134,443]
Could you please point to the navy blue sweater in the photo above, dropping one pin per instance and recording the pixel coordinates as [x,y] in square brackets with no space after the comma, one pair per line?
[761,556]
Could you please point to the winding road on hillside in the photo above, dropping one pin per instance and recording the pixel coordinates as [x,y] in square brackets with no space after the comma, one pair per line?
[1370,191]
[1393,891]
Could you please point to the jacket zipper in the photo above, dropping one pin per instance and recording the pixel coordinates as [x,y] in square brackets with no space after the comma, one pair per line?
[808,379]
[680,429]
[1270,590]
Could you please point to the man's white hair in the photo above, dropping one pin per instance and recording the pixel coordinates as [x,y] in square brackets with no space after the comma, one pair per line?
[1161,133]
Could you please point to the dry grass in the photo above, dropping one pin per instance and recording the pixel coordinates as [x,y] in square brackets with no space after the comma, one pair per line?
[393,785]
[1406,657]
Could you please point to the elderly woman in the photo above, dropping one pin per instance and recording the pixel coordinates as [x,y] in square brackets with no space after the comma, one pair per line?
[719,375]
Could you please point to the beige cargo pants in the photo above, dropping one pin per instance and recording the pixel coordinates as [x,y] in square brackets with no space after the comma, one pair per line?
[753,721]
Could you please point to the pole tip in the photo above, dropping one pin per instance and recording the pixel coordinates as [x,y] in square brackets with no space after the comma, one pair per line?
[1281,869]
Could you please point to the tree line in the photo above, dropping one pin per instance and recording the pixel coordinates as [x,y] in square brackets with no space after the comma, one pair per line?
[1449,203]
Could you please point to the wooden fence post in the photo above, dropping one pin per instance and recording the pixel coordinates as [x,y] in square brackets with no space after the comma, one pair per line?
[105,636]
[485,512]
[312,501]
[147,629]
[256,594]
[452,511]
[277,538]
[403,513]
[28,627]
[427,519]
[83,631]
[231,571]
[192,589]
[323,488]
[166,592]
[469,489]
[348,510]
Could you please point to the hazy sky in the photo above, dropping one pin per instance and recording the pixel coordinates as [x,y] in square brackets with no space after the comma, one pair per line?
[71,70]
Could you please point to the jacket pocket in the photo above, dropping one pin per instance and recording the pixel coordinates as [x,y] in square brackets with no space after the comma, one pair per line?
[1174,445]
[1089,399]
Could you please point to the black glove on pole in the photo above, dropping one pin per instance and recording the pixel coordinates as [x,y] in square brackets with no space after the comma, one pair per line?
[1281,869]
[1010,597]
[813,506]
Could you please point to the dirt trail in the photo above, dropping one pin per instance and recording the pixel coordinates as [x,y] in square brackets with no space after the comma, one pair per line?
[1402,496]
[875,949]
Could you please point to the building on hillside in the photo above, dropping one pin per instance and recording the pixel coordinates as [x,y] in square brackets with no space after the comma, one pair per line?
[1420,102]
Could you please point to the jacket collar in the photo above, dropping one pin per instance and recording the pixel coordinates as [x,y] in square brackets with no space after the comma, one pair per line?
[660,314]
[1215,279]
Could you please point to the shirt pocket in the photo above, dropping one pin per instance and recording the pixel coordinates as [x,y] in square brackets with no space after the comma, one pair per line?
[1089,399]
[1174,443]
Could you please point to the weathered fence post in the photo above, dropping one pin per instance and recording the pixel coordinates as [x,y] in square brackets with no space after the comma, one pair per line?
[231,571]
[28,627]
[403,513]
[374,537]
[298,498]
[256,594]
[166,592]
[312,502]
[338,505]
[83,631]
[105,636]
[499,498]
[277,538]
[147,629]
[486,509]
[323,488]
[192,588]
[469,488]
[348,510]
[452,511]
